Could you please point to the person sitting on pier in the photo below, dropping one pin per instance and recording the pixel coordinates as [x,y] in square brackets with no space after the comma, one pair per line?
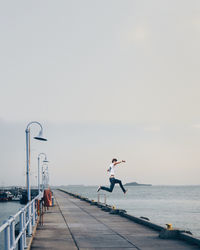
[112,178]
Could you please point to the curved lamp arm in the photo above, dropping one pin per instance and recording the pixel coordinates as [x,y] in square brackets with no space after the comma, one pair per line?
[40,135]
[35,123]
[43,155]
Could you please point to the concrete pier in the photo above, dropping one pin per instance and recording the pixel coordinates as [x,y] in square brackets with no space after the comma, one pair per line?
[75,224]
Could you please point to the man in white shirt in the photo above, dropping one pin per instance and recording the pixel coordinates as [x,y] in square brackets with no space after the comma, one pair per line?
[112,179]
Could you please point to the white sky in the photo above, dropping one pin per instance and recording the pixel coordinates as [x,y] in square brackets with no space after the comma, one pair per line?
[106,79]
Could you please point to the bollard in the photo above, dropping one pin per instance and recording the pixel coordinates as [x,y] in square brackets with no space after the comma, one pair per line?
[169,226]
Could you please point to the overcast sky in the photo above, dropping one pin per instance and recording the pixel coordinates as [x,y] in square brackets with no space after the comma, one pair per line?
[106,79]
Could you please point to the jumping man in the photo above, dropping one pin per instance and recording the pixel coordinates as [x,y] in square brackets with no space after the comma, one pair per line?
[112,179]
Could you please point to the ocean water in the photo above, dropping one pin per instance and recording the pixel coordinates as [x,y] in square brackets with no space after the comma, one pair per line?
[178,205]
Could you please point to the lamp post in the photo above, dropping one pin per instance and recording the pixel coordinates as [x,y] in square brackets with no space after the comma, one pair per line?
[45,175]
[39,137]
[45,160]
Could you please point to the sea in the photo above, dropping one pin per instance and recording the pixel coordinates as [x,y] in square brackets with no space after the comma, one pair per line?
[177,205]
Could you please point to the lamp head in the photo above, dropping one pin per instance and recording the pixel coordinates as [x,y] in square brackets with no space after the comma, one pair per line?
[45,160]
[40,136]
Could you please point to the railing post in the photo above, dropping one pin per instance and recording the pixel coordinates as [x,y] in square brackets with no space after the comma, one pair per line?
[21,222]
[33,212]
[36,208]
[7,237]
[29,220]
[105,199]
[12,232]
[99,198]
[24,226]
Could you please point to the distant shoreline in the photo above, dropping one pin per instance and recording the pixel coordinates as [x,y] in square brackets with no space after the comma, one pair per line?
[137,184]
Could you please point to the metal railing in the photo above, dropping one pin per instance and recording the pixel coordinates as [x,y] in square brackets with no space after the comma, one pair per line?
[27,217]
[99,198]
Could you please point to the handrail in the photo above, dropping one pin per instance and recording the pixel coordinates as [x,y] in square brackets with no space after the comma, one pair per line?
[10,241]
[99,197]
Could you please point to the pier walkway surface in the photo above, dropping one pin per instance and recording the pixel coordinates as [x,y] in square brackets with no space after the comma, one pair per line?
[75,224]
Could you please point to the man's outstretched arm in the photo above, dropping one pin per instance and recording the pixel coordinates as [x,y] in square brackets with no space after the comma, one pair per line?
[118,162]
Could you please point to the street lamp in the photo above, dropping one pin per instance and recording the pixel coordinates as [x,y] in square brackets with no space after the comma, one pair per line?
[41,138]
[45,160]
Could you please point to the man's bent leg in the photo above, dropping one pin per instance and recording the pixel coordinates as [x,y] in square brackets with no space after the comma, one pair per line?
[105,188]
[112,184]
[121,186]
